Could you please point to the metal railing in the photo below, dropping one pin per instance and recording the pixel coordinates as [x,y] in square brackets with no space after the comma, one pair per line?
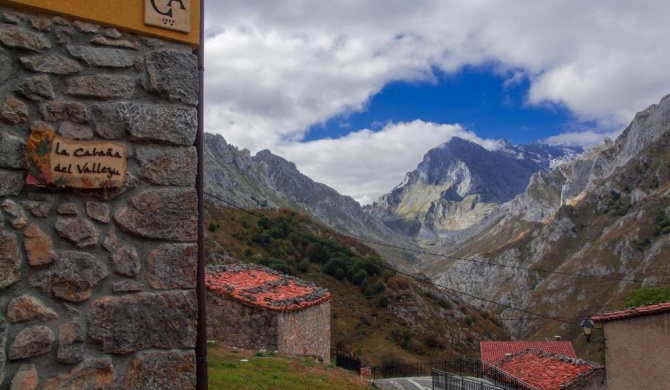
[466,367]
[456,368]
[445,381]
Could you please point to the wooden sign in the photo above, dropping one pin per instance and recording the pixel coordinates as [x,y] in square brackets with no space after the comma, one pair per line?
[168,14]
[53,160]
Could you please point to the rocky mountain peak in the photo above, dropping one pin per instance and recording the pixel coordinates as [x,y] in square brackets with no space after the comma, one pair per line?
[459,181]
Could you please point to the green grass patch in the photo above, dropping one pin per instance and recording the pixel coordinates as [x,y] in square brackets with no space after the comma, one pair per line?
[227,370]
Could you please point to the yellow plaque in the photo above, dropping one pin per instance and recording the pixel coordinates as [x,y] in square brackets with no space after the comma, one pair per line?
[168,14]
[129,15]
[53,160]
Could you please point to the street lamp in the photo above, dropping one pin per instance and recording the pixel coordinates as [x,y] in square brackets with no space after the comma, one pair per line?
[587,326]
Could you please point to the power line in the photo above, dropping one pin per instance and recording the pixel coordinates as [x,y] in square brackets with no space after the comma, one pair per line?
[391,268]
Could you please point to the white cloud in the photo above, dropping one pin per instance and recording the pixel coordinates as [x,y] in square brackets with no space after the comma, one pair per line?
[583,138]
[366,164]
[273,69]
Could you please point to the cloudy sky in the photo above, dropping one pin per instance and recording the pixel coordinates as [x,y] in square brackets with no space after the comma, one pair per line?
[355,92]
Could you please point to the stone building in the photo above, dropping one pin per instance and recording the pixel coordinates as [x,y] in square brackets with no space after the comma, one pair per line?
[98,232]
[255,307]
[637,345]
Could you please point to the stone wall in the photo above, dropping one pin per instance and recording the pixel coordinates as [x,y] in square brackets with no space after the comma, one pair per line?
[235,324]
[638,352]
[300,332]
[97,287]
[306,332]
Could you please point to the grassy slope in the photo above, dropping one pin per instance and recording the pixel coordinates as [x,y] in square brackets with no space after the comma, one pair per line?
[406,320]
[226,370]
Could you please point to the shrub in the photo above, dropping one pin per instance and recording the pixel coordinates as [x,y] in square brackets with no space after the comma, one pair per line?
[648,296]
[383,302]
[303,266]
[359,277]
[398,283]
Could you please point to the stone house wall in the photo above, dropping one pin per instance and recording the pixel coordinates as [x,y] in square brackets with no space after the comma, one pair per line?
[306,332]
[638,352]
[301,332]
[97,287]
[238,325]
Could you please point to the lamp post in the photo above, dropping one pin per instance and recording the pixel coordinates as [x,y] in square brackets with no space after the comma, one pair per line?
[587,326]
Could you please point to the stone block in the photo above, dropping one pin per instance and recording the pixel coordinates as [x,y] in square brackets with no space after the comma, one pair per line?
[98,211]
[40,23]
[128,323]
[164,214]
[10,259]
[39,209]
[84,27]
[26,307]
[55,64]
[146,122]
[72,277]
[75,131]
[63,35]
[32,341]
[26,378]
[161,370]
[101,56]
[168,165]
[14,111]
[67,209]
[110,240]
[71,338]
[125,43]
[80,231]
[93,374]
[102,86]
[173,75]
[37,88]
[125,261]
[20,38]
[173,266]
[12,151]
[60,111]
[11,182]
[15,212]
[39,246]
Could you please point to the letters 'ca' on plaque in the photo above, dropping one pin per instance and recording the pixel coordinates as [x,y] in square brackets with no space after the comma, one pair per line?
[168,14]
[53,160]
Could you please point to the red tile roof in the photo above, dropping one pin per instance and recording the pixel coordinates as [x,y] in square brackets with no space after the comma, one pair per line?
[264,287]
[633,312]
[547,371]
[494,351]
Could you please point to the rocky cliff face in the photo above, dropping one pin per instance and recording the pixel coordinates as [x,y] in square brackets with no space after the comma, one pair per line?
[267,180]
[459,182]
[605,214]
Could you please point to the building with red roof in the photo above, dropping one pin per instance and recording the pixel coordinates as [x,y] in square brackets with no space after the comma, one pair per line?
[540,370]
[637,347]
[254,307]
[495,351]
